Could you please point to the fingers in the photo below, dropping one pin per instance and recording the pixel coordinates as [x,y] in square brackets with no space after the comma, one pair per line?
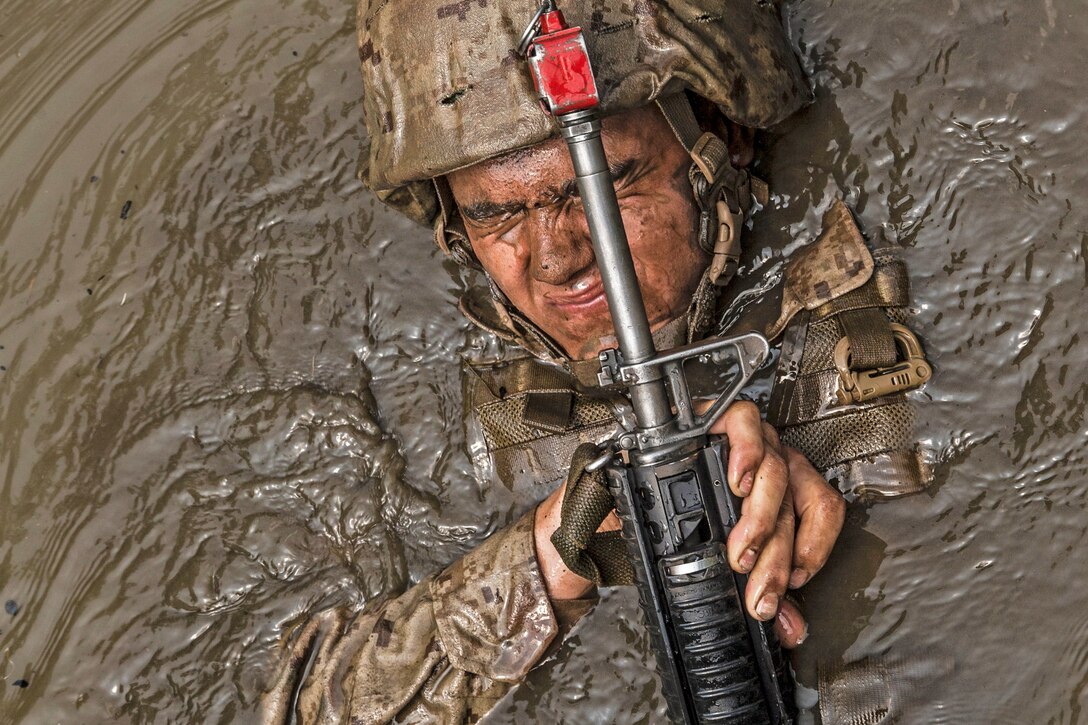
[770,575]
[790,626]
[790,518]
[760,511]
[741,424]
[820,510]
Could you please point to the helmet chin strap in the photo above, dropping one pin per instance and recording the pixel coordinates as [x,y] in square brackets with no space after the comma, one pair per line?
[723,196]
[723,193]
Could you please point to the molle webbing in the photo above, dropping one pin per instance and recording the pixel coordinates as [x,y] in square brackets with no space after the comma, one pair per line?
[888,287]
[862,433]
[516,420]
[879,690]
[860,315]
[871,341]
[549,410]
[530,416]
[539,424]
[869,446]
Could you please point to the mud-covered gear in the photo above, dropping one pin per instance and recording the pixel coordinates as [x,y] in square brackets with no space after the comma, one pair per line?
[445,94]
[445,651]
[715,181]
[869,446]
[878,690]
[526,418]
[436,652]
[723,196]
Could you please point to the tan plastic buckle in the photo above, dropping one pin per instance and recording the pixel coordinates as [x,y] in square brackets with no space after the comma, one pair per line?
[725,228]
[726,246]
[708,153]
[860,386]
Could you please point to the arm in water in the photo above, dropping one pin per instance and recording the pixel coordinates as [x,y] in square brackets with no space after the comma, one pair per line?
[438,650]
[444,651]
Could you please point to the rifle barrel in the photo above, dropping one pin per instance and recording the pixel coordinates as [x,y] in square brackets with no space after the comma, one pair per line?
[582,132]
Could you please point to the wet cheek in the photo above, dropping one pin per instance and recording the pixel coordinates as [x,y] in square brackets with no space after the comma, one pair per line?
[504,267]
[664,256]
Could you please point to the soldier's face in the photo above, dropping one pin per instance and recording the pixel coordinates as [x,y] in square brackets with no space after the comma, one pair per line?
[527,227]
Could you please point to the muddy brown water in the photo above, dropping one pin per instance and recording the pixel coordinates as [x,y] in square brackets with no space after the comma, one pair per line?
[230,395]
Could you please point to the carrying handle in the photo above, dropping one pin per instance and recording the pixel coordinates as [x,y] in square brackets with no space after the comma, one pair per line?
[749,351]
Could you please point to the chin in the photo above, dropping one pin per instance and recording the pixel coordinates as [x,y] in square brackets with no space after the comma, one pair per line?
[589,345]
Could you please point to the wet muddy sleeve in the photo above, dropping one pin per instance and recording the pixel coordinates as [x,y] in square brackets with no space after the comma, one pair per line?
[444,651]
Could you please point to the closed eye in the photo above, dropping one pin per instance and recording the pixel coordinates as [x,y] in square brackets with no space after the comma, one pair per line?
[499,224]
[490,216]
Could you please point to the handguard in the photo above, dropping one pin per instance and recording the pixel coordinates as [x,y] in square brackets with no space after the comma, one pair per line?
[717,664]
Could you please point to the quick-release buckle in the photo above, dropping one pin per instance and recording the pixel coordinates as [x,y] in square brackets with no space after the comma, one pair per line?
[708,153]
[858,386]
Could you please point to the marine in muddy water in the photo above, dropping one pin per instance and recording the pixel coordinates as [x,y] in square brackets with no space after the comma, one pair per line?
[458,143]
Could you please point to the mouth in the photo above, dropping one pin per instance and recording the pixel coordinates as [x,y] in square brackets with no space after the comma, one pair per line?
[582,296]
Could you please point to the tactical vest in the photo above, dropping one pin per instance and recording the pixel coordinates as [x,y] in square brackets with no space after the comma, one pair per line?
[846,360]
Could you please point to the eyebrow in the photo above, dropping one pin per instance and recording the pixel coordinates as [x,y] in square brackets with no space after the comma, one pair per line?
[483,210]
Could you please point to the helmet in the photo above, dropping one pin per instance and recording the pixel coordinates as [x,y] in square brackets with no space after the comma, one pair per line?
[444,88]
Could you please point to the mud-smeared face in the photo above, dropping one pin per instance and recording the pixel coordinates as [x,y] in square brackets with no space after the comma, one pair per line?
[527,227]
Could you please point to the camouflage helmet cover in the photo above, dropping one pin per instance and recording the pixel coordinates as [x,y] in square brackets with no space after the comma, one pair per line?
[444,87]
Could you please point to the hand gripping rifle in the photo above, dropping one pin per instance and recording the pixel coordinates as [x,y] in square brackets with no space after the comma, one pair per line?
[717,664]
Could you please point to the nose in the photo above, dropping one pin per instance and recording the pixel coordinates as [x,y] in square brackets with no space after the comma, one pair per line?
[560,246]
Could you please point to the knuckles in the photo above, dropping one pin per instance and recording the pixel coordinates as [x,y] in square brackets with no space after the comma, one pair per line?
[774,467]
[810,557]
[828,513]
[829,508]
[741,419]
[832,506]
[778,578]
[758,531]
[743,409]
[771,435]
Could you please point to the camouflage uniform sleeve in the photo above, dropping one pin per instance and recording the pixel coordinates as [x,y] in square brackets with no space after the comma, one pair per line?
[444,651]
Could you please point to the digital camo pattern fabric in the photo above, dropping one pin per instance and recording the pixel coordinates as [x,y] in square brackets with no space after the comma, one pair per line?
[454,91]
[834,291]
[444,651]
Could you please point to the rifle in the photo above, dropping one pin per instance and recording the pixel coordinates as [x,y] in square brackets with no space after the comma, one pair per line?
[717,664]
